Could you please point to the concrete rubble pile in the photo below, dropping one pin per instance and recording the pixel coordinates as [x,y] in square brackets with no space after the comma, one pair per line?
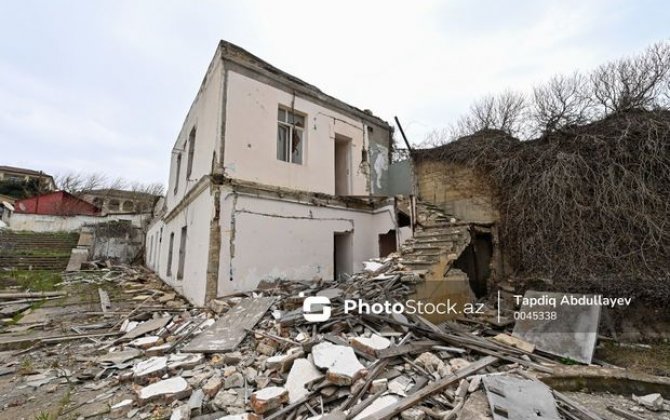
[149,354]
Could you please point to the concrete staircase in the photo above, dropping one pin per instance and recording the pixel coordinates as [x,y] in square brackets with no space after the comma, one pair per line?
[439,240]
[36,251]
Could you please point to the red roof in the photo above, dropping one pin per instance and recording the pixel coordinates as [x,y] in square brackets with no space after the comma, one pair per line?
[57,203]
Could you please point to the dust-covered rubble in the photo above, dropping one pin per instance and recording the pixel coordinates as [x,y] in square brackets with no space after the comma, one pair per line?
[136,359]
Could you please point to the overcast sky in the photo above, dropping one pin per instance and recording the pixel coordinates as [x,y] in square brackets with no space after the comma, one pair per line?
[104,86]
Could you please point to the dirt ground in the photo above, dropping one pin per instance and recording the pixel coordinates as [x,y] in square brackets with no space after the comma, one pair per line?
[29,390]
[65,397]
[598,403]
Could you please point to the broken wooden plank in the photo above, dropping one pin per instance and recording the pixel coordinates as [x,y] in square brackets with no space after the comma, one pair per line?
[11,310]
[228,331]
[515,342]
[14,302]
[431,389]
[25,295]
[623,413]
[357,409]
[105,303]
[414,347]
[147,327]
[15,343]
[584,412]
[487,347]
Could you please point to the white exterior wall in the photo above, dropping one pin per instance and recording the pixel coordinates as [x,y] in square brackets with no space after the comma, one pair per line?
[46,223]
[206,115]
[196,216]
[263,238]
[404,234]
[251,139]
[275,239]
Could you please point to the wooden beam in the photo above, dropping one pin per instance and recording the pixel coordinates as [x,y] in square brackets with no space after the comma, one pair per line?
[402,132]
[435,387]
[28,295]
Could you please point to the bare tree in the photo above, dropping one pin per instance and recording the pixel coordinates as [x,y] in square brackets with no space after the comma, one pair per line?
[78,183]
[437,137]
[155,188]
[502,112]
[635,82]
[563,101]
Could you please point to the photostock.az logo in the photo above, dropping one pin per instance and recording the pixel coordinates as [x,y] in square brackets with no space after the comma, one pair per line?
[316,308]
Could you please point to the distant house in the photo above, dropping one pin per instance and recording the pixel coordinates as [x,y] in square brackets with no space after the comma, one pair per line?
[22,175]
[113,201]
[7,198]
[57,203]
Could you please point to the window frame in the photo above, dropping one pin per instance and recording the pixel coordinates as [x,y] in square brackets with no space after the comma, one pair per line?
[288,152]
[168,271]
[191,152]
[177,171]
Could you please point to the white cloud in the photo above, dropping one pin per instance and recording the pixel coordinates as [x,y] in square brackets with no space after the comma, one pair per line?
[105,86]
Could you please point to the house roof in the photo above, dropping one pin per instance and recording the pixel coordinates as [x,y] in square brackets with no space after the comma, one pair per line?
[64,196]
[113,192]
[246,59]
[25,171]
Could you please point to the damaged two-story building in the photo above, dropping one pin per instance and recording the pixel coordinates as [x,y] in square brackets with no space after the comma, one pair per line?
[271,179]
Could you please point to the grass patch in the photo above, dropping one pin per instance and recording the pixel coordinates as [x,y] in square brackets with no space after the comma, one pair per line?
[29,233]
[38,252]
[39,281]
[26,367]
[653,361]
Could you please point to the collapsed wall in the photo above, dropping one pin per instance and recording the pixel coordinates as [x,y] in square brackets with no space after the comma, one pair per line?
[583,209]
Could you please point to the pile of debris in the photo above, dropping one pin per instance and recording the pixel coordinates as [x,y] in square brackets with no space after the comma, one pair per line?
[145,353]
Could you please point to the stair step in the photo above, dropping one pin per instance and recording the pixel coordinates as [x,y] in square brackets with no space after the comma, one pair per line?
[417,262]
[423,253]
[445,225]
[448,230]
[22,251]
[428,239]
[428,246]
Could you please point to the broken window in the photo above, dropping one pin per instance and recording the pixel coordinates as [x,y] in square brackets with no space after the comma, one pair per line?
[151,248]
[128,206]
[290,136]
[182,254]
[342,165]
[176,176]
[170,249]
[114,205]
[191,151]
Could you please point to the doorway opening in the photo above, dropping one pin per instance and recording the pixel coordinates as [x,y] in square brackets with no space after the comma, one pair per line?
[387,243]
[343,254]
[342,165]
[182,254]
[475,261]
